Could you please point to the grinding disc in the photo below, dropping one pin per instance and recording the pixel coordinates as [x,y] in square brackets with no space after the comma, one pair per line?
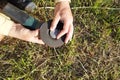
[49,37]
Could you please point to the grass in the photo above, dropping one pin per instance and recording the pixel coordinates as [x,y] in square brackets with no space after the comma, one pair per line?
[93,54]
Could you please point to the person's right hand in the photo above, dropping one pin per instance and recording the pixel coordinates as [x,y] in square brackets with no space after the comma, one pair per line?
[20,32]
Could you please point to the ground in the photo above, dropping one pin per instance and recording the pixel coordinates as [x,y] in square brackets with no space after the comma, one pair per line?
[93,53]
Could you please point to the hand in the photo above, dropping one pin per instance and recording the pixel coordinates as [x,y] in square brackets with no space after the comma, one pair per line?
[63,13]
[18,31]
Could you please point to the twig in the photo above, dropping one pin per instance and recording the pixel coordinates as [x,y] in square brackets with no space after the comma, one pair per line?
[83,66]
[109,8]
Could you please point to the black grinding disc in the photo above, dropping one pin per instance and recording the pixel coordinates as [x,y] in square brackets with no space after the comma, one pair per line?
[49,37]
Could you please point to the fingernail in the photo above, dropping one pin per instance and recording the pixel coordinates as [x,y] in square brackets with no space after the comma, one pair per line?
[57,37]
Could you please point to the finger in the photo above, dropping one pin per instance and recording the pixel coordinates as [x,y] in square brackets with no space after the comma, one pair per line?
[69,34]
[35,38]
[36,32]
[39,41]
[72,31]
[64,31]
[54,23]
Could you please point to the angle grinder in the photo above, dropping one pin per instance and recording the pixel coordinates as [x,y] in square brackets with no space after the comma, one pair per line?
[48,36]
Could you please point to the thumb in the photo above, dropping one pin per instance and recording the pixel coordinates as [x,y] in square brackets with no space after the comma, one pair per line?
[54,23]
[35,38]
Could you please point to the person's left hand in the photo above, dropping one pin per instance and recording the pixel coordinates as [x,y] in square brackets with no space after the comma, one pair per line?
[63,13]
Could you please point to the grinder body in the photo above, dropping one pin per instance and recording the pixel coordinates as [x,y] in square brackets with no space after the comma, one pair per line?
[21,17]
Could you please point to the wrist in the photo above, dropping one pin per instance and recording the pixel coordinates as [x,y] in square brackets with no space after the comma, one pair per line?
[62,5]
[57,1]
